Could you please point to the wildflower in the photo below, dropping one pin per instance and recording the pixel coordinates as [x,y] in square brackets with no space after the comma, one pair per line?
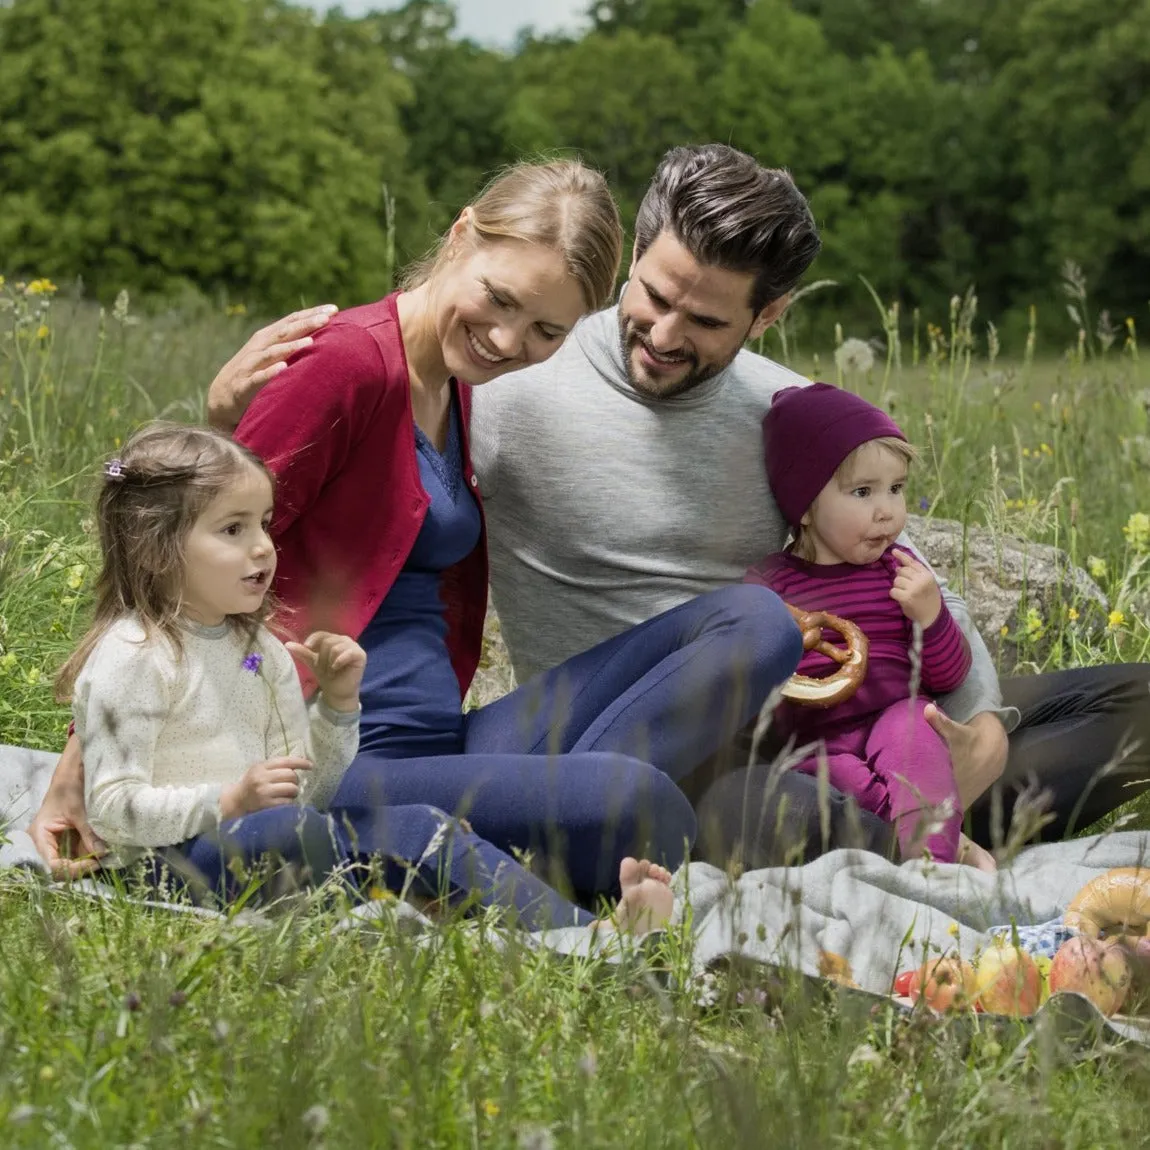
[76,576]
[1096,567]
[47,1073]
[1046,449]
[952,930]
[854,357]
[1037,406]
[1072,614]
[1004,630]
[43,331]
[236,309]
[1115,620]
[315,1119]
[923,503]
[490,1108]
[41,287]
[1137,531]
[1034,625]
[1,281]
[253,662]
[33,676]
[536,1138]
[1026,453]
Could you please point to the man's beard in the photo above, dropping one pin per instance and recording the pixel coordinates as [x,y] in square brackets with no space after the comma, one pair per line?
[654,388]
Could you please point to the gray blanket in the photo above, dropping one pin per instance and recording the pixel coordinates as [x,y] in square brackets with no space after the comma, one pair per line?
[878,915]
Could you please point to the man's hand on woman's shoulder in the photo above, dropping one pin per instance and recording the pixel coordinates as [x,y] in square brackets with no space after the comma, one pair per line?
[260,360]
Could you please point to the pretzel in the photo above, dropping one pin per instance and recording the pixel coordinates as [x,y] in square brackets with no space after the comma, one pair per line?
[1113,905]
[838,686]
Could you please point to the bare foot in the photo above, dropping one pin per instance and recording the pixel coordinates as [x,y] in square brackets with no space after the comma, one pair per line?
[646,902]
[971,854]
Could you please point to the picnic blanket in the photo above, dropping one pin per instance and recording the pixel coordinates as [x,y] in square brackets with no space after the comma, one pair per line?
[878,915]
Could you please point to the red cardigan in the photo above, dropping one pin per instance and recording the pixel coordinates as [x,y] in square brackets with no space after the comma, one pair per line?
[337,431]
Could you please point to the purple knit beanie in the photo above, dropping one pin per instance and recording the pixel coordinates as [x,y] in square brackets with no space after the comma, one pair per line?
[807,432]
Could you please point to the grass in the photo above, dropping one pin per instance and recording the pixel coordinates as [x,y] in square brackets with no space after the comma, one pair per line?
[124,1027]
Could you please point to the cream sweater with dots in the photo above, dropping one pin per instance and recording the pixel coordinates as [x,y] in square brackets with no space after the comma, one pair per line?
[163,733]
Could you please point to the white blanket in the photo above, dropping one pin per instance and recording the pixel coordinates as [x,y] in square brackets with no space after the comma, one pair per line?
[878,915]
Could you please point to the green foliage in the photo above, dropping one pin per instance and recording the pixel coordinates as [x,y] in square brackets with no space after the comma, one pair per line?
[159,146]
[252,150]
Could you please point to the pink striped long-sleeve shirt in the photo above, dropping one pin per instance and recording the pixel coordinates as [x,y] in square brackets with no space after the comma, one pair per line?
[862,595]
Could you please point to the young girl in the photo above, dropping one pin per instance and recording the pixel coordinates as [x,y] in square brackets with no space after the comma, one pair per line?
[190,715]
[838,469]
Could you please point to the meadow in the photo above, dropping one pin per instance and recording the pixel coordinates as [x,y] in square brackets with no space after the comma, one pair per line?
[124,1027]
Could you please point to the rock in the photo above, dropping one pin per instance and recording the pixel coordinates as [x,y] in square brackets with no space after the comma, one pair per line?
[1002,578]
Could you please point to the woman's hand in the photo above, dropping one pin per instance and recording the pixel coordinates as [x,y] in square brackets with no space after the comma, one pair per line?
[261,359]
[61,831]
[337,662]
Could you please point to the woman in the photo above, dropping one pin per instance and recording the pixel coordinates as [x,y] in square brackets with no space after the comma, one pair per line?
[380,533]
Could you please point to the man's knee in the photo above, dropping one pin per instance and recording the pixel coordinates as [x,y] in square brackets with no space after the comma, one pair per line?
[770,637]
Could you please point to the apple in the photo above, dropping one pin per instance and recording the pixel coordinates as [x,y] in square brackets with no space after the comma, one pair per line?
[1007,980]
[944,983]
[1099,970]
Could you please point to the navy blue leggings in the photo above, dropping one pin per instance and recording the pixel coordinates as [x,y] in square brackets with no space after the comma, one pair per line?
[417,847]
[580,764]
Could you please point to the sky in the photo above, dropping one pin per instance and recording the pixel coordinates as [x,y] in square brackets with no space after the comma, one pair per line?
[491,22]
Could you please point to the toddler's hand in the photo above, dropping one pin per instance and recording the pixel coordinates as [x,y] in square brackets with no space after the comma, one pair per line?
[273,783]
[337,662]
[916,590]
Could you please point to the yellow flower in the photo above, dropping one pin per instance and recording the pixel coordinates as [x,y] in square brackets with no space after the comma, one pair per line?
[1096,567]
[1115,620]
[1046,449]
[47,1073]
[42,331]
[1034,626]
[236,309]
[491,1109]
[1004,630]
[33,676]
[1026,453]
[1072,614]
[1,281]
[1037,405]
[41,287]
[952,930]
[1137,531]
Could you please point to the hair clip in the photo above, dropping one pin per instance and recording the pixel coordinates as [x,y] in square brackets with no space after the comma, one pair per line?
[114,469]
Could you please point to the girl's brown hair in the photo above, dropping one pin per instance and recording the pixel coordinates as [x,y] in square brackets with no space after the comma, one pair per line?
[562,205]
[152,495]
[801,546]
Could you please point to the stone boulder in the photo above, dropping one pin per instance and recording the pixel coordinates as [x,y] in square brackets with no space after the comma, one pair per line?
[1002,578]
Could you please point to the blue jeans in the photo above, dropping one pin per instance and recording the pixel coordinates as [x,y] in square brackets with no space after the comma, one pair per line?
[416,846]
[580,764]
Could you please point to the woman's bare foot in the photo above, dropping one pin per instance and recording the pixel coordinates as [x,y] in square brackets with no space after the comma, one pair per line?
[971,854]
[646,902]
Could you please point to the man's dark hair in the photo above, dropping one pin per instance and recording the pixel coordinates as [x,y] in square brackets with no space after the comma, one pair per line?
[731,212]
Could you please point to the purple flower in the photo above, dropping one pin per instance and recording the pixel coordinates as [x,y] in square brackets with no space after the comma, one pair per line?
[923,503]
[253,662]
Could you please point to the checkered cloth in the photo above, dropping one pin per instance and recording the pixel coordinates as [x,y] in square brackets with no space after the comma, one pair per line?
[1041,940]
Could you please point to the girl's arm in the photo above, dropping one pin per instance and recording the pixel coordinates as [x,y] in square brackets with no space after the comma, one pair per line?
[946,658]
[330,738]
[121,700]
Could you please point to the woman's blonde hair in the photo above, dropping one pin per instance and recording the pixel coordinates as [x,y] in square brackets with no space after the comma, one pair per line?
[560,204]
[801,546]
[165,477]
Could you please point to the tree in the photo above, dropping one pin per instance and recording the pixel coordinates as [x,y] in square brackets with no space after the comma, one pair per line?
[161,146]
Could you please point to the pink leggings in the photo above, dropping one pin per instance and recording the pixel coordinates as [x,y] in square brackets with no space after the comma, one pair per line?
[898,768]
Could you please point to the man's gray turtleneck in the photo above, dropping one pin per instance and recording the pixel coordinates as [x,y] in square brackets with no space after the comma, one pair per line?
[605,507]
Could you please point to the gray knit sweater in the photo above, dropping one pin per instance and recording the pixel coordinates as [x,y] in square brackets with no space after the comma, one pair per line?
[605,507]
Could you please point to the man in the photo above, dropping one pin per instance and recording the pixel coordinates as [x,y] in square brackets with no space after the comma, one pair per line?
[625,475]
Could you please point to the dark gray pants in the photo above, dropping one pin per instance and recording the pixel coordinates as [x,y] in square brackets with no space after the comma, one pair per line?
[1081,749]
